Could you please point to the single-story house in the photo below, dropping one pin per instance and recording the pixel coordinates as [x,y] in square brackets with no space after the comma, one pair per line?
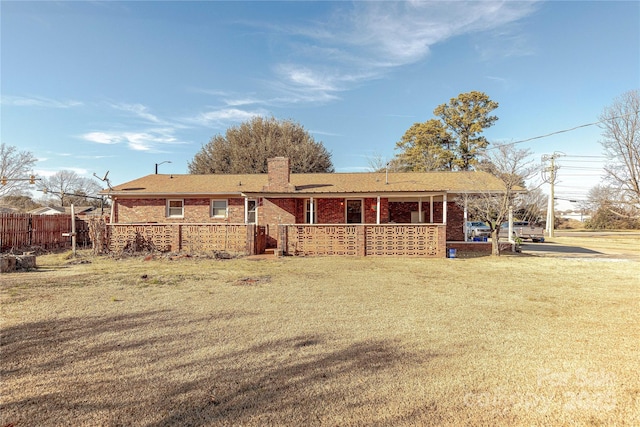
[406,214]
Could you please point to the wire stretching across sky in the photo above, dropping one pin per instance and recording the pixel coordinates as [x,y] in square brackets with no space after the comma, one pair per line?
[566,130]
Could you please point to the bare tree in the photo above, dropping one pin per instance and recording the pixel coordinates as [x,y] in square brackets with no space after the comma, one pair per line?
[379,163]
[14,165]
[68,187]
[621,143]
[512,167]
[608,210]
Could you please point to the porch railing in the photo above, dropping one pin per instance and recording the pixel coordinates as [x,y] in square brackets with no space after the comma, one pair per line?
[416,240]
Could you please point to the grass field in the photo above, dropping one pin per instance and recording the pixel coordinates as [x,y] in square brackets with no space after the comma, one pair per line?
[514,340]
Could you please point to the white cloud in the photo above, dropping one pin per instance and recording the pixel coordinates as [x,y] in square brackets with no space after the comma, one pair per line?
[224,116]
[147,140]
[138,110]
[102,137]
[38,101]
[370,39]
[47,173]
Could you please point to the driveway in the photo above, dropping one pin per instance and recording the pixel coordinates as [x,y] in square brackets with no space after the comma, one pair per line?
[601,245]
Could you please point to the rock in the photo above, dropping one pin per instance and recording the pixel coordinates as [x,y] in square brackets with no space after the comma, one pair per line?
[7,264]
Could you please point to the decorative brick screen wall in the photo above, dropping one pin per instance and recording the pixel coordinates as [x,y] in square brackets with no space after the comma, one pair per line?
[363,240]
[236,238]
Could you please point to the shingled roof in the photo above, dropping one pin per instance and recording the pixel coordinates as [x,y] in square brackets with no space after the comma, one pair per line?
[310,184]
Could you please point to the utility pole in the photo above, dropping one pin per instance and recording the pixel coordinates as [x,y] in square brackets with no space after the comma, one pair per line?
[551,179]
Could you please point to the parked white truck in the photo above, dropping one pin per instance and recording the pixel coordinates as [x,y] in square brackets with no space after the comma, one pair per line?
[524,230]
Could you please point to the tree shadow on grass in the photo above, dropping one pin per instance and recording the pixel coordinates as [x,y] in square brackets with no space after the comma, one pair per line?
[133,369]
[300,389]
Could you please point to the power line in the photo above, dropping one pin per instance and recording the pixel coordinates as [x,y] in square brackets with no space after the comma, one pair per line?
[596,157]
[567,130]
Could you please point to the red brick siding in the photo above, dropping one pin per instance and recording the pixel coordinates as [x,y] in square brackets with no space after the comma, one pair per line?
[235,209]
[455,221]
[331,211]
[400,212]
[155,210]
[273,212]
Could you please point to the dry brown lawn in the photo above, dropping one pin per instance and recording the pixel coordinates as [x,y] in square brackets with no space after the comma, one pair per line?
[515,340]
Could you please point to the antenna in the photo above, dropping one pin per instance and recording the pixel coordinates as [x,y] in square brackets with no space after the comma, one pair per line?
[104,179]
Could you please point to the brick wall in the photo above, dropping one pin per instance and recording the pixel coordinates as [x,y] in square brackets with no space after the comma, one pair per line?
[276,211]
[155,210]
[279,174]
[455,222]
[331,211]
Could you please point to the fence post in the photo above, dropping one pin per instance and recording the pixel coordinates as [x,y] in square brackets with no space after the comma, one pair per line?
[250,246]
[281,244]
[361,240]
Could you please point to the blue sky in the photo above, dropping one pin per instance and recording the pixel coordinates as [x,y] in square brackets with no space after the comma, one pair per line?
[121,86]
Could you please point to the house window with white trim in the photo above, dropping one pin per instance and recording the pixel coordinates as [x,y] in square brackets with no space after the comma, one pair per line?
[175,208]
[252,204]
[219,208]
[308,210]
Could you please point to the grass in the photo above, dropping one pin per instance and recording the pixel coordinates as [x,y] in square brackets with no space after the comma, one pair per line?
[515,340]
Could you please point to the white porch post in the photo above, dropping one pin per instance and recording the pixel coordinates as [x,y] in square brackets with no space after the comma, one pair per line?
[312,208]
[420,210]
[465,216]
[444,208]
[246,210]
[378,211]
[510,224]
[256,213]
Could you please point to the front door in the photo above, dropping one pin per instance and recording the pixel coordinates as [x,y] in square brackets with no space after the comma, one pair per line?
[354,211]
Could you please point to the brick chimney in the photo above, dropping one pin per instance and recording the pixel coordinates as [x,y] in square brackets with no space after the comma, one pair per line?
[279,169]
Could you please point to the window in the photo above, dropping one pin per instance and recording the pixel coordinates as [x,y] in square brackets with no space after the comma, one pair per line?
[307,211]
[175,208]
[219,208]
[251,211]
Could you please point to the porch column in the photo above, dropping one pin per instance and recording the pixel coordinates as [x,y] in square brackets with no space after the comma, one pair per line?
[312,208]
[378,212]
[257,213]
[431,209]
[465,216]
[246,210]
[420,210]
[113,209]
[444,208]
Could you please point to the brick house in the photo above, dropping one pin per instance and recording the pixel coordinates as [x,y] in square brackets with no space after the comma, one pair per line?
[412,214]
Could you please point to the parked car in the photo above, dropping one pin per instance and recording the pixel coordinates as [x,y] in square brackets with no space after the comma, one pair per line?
[478,229]
[524,230]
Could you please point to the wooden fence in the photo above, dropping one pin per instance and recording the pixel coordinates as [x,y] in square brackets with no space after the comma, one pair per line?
[416,240]
[21,231]
[246,239]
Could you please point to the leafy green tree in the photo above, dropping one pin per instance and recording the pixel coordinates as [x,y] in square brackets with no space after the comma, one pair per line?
[454,140]
[426,147]
[247,147]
